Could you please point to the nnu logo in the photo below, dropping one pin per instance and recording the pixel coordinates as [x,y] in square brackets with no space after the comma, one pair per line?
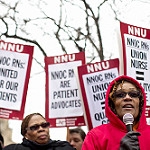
[60,122]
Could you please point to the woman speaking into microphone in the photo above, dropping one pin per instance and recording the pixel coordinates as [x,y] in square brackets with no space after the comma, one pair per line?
[125,98]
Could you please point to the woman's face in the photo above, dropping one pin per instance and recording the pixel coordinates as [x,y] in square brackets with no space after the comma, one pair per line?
[37,133]
[127,103]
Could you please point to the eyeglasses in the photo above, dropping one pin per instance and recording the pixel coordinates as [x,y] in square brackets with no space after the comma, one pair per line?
[37,126]
[122,94]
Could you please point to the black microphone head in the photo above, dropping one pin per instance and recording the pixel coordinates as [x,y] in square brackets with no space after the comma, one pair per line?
[128,119]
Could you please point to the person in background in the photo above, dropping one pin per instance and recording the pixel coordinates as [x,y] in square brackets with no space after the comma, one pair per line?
[35,132]
[124,95]
[76,137]
[1,142]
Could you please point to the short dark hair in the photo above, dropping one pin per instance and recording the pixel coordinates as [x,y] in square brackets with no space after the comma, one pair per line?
[25,122]
[78,130]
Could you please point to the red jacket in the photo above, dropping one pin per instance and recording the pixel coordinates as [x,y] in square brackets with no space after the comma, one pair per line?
[108,136]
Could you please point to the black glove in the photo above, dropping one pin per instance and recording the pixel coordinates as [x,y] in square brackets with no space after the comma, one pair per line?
[130,141]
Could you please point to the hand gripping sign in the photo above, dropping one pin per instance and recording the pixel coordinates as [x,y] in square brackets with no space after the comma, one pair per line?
[15,66]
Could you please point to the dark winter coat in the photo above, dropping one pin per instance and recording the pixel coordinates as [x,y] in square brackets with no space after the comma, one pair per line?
[29,145]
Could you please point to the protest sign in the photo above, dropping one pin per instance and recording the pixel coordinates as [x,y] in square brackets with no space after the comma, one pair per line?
[15,66]
[63,103]
[94,80]
[136,54]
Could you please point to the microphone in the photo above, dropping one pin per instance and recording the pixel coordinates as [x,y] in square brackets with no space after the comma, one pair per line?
[128,121]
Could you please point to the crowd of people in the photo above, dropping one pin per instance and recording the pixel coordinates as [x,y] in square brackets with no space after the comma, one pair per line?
[124,95]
